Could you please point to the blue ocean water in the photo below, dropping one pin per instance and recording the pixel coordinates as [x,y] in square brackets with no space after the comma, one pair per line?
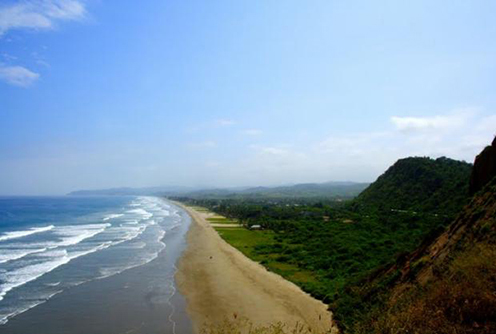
[49,244]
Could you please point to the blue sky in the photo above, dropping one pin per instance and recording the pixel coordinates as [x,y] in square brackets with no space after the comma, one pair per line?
[100,93]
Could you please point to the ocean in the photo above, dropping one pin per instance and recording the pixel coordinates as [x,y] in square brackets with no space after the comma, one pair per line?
[91,265]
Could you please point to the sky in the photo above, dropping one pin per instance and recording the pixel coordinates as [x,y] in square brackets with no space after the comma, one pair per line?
[106,93]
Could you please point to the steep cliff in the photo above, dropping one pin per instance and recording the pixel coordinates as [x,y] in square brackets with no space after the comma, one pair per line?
[484,168]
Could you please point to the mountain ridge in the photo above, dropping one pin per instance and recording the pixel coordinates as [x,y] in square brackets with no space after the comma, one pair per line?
[345,189]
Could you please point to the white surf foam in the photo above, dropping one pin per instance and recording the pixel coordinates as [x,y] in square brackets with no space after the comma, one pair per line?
[110,271]
[61,250]
[56,258]
[145,214]
[74,234]
[53,284]
[156,204]
[7,255]
[66,235]
[75,255]
[13,279]
[112,216]
[6,317]
[131,222]
[20,234]
[126,232]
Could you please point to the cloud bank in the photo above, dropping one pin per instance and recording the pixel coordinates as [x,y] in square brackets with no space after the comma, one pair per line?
[452,121]
[363,156]
[39,14]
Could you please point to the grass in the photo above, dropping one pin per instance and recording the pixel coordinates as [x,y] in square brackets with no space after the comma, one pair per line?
[461,300]
[222,220]
[246,240]
[254,244]
[240,325]
[200,209]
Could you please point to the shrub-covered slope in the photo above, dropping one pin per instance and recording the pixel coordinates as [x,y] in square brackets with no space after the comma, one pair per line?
[425,185]
[448,285]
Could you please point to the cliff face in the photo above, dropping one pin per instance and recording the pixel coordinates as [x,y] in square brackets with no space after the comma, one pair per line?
[484,168]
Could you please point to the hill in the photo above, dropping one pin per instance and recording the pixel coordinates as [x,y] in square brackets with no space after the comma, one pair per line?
[425,185]
[337,190]
[447,285]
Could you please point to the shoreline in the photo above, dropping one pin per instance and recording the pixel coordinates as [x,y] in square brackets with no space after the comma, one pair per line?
[139,299]
[221,283]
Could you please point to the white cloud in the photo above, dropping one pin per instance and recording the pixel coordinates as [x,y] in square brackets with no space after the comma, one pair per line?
[352,144]
[39,14]
[274,151]
[8,57]
[363,156]
[459,134]
[448,122]
[43,63]
[17,75]
[211,124]
[203,144]
[224,122]
[251,132]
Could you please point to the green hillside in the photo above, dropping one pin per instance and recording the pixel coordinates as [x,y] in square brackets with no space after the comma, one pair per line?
[447,285]
[424,185]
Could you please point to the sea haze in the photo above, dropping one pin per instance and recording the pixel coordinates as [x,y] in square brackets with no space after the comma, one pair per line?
[49,245]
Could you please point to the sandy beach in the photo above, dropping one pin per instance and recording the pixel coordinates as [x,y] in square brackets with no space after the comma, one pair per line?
[218,282]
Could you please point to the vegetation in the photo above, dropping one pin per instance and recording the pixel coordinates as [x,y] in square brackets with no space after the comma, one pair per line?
[350,255]
[461,300]
[322,248]
[221,220]
[257,246]
[238,325]
[327,191]
[449,286]
[420,184]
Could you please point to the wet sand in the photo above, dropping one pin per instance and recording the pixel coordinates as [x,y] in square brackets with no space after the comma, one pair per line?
[219,282]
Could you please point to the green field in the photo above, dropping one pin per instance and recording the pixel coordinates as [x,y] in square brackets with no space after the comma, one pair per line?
[222,220]
[256,245]
[200,209]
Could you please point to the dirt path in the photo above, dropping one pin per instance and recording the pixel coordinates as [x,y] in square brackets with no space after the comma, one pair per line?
[218,281]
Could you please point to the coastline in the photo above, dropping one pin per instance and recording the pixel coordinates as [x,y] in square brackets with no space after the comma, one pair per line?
[140,299]
[220,283]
